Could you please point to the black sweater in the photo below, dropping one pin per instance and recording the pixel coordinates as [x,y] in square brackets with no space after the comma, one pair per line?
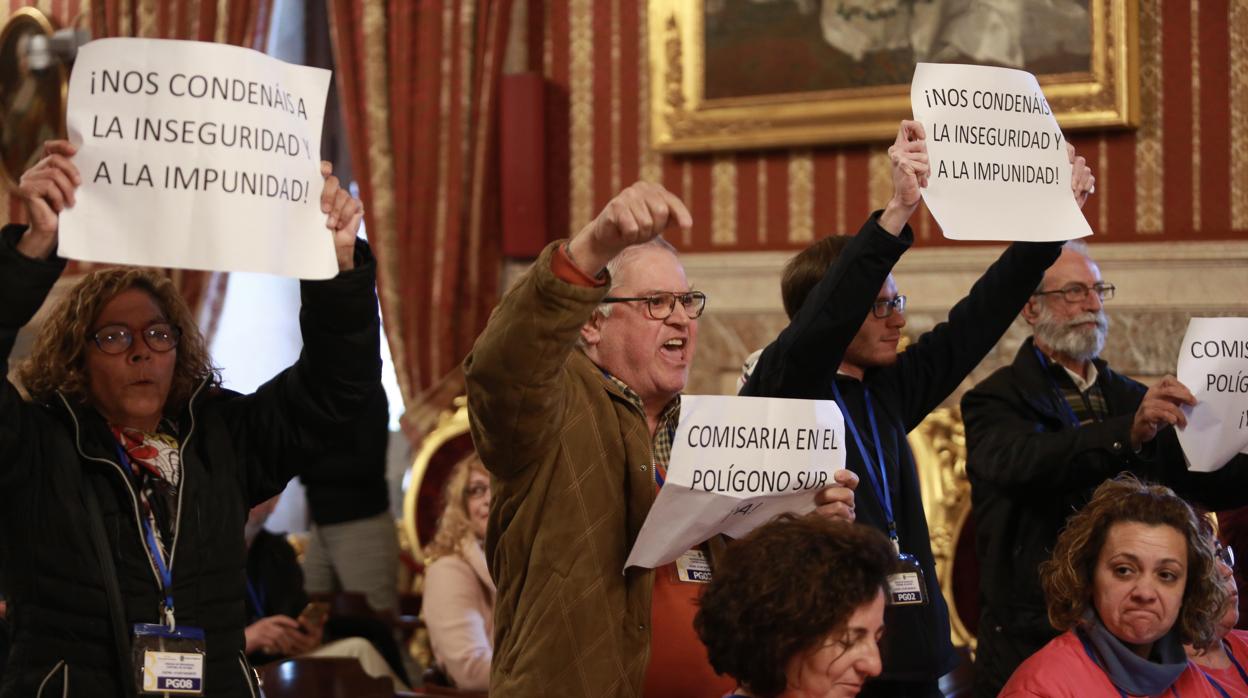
[802,363]
[348,481]
[238,450]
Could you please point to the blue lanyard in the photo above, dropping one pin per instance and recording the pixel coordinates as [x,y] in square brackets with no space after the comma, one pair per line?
[1215,685]
[1227,646]
[256,599]
[153,549]
[881,490]
[1243,676]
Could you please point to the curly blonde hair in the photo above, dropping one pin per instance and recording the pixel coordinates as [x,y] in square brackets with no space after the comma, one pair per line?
[1067,576]
[454,526]
[57,362]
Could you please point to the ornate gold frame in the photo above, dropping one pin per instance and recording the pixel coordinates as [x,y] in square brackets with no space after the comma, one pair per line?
[939,445]
[31,18]
[682,121]
[450,425]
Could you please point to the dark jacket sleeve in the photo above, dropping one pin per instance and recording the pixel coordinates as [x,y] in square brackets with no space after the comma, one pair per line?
[1224,488]
[294,415]
[802,362]
[515,372]
[1008,445]
[929,370]
[24,284]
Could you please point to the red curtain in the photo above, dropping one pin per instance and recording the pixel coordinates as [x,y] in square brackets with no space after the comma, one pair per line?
[418,81]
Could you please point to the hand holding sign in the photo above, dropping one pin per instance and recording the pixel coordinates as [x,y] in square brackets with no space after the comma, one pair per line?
[197,156]
[908,156]
[1000,166]
[1213,361]
[837,502]
[344,214]
[1160,408]
[736,463]
[47,189]
[1082,183]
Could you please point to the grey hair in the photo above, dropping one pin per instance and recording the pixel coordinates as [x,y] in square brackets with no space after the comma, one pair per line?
[617,263]
[1074,246]
[613,269]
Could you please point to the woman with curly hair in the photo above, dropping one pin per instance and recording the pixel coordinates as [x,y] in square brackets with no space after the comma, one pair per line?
[1132,578]
[796,608]
[127,474]
[458,605]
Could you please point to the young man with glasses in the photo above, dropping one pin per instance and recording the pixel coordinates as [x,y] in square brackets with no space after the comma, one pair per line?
[846,320]
[1041,434]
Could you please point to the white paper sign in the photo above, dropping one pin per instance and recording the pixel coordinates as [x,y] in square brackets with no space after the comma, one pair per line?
[198,156]
[736,463]
[998,158]
[1213,364]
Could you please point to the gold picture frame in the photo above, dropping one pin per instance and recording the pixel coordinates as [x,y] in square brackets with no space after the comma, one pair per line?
[32,102]
[684,119]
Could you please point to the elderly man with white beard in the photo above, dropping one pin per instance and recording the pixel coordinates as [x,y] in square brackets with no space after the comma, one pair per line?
[1041,434]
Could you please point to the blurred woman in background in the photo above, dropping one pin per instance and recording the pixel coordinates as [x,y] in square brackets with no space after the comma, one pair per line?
[458,605]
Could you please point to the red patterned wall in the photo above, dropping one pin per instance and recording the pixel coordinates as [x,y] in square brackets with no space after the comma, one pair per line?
[1183,175]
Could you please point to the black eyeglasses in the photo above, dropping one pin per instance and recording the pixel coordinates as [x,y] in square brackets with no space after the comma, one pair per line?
[660,305]
[885,307]
[1076,293]
[115,339]
[1225,554]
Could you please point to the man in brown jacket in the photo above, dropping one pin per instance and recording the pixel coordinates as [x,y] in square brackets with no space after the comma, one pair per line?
[573,396]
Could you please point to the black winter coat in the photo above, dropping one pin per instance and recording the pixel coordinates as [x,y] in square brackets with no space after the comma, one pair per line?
[1030,468]
[803,361]
[237,451]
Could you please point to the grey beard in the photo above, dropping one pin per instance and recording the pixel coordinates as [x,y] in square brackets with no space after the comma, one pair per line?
[1065,339]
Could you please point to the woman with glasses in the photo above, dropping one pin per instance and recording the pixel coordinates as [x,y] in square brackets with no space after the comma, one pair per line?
[458,605]
[1225,661]
[127,475]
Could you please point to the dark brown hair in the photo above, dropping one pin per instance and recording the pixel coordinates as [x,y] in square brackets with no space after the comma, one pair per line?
[806,268]
[782,590]
[1067,576]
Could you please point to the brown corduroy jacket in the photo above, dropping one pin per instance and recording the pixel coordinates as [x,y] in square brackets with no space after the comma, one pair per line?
[571,459]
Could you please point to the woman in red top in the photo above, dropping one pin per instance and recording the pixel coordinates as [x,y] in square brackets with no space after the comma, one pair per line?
[1225,662]
[1131,579]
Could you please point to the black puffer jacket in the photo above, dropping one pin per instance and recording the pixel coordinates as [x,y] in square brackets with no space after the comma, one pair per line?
[237,450]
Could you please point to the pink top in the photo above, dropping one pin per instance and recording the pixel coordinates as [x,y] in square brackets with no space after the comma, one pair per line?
[1063,669]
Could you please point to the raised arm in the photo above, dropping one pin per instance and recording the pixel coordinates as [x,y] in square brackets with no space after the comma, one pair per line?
[28,269]
[277,428]
[513,374]
[803,359]
[933,367]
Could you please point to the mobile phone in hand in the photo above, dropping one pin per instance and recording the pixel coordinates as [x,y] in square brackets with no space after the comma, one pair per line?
[314,614]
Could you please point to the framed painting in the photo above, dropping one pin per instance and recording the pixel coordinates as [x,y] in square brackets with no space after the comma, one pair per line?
[740,74]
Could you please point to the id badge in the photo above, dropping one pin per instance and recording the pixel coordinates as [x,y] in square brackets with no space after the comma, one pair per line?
[906,587]
[693,567]
[169,661]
